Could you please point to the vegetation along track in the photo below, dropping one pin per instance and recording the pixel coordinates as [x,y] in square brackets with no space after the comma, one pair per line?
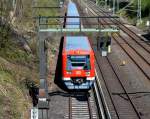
[138,55]
[124,28]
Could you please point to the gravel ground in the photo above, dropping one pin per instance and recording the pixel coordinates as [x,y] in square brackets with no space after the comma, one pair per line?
[58,105]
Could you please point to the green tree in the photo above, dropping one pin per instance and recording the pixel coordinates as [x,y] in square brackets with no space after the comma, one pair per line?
[145,5]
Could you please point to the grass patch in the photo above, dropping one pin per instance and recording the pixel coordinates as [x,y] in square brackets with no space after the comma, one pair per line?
[15,54]
[17,67]
[13,103]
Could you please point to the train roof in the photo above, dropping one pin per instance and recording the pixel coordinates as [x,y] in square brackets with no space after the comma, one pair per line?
[73,23]
[72,9]
[77,43]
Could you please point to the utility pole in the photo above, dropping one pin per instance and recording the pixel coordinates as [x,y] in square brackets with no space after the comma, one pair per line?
[149,20]
[96,2]
[117,5]
[114,6]
[105,3]
[108,2]
[43,89]
[1,8]
[14,2]
[139,11]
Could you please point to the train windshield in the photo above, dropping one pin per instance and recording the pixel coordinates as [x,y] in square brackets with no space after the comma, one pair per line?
[78,62]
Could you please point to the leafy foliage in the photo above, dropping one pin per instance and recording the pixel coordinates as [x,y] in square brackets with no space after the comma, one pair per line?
[4,36]
[17,67]
[145,6]
[11,97]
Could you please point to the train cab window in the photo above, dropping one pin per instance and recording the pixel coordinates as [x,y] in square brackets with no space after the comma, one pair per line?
[78,62]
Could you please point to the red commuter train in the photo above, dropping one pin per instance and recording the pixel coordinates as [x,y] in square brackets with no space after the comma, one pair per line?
[78,70]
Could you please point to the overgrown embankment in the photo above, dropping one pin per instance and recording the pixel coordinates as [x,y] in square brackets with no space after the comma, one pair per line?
[131,12]
[19,61]
[18,68]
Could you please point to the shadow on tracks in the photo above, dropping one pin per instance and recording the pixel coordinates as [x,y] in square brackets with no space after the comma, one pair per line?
[80,96]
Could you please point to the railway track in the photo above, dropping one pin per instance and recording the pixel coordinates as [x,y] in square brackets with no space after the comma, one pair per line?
[124,28]
[88,105]
[113,84]
[81,106]
[139,55]
[43,114]
[120,106]
[133,37]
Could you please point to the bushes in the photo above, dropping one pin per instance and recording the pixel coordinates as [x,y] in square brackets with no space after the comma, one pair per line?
[4,35]
[12,99]
[145,6]
[14,54]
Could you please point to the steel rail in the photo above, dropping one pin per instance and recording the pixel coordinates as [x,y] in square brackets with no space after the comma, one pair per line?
[129,34]
[75,108]
[124,90]
[133,48]
[103,107]
[131,102]
[70,109]
[132,59]
[108,90]
[100,98]
[89,108]
[146,75]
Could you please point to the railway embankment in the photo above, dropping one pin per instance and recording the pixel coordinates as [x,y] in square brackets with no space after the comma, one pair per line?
[18,68]
[19,61]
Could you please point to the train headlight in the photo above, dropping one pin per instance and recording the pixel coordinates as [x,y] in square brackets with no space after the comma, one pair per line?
[68,72]
[88,73]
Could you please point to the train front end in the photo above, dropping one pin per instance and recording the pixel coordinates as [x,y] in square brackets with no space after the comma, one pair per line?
[78,69]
